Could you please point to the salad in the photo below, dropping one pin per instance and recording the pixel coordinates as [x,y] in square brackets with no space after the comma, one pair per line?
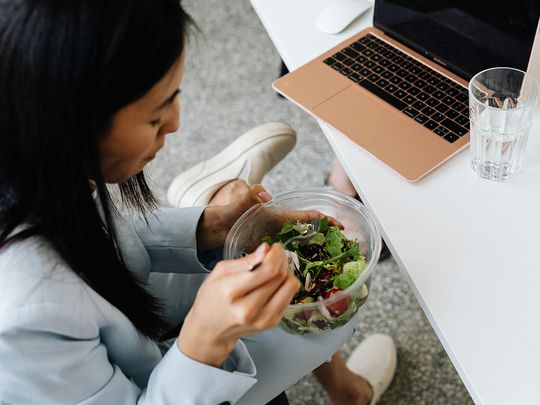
[326,264]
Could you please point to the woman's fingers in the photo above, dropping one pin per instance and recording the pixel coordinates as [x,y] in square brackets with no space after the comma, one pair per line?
[263,307]
[274,308]
[244,278]
[260,194]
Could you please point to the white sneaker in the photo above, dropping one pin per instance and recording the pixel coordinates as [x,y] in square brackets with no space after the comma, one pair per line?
[375,359]
[248,158]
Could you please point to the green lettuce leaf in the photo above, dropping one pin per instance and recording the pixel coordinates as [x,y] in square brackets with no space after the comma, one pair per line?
[351,271]
[334,241]
[323,227]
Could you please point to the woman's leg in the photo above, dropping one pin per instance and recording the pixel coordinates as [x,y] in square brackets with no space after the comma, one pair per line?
[282,359]
[342,385]
[339,180]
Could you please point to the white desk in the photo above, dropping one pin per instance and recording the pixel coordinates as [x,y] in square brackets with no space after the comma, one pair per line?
[469,248]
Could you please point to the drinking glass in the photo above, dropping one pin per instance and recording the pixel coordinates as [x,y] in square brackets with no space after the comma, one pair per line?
[502,104]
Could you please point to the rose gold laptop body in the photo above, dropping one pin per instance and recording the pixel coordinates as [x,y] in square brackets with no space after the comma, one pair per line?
[404,145]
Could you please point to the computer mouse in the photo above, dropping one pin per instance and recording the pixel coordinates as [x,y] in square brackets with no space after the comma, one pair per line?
[336,17]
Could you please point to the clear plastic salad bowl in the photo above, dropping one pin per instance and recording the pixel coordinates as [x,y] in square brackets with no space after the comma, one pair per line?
[268,219]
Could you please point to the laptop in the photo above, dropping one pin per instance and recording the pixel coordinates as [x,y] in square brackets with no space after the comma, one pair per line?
[399,89]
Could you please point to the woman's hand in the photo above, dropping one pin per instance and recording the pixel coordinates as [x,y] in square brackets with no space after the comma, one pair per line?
[217,220]
[234,302]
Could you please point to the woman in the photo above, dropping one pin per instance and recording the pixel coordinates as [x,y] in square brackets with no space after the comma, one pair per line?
[89,91]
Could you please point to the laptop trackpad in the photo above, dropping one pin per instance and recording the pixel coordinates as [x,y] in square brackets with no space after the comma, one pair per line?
[359,115]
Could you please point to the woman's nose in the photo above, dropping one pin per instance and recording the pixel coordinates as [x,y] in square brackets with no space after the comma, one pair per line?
[172,119]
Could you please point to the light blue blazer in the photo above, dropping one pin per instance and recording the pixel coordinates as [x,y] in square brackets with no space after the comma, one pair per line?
[62,343]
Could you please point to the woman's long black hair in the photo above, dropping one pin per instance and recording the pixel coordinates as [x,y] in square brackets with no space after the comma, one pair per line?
[66,67]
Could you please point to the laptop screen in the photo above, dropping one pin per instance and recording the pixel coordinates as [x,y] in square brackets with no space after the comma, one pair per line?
[465,36]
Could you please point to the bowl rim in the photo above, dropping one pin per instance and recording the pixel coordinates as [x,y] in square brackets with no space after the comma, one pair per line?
[329,194]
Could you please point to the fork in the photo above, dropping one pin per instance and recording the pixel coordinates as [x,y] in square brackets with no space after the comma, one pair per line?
[313,229]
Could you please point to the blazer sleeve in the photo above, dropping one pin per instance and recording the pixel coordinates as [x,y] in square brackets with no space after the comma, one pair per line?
[170,239]
[52,354]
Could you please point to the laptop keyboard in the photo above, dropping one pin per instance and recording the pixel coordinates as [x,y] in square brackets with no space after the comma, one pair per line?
[431,99]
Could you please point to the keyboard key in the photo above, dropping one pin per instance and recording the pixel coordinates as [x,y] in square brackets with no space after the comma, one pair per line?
[418,105]
[383,95]
[409,99]
[369,64]
[337,66]
[391,88]
[453,127]
[424,75]
[414,91]
[330,61]
[364,40]
[422,96]
[442,108]
[437,117]
[431,125]
[414,70]
[441,131]
[404,85]
[356,67]
[381,49]
[406,65]
[448,101]
[376,57]
[384,62]
[367,52]
[433,81]
[393,68]
[340,56]
[361,59]
[400,93]
[452,92]
[411,78]
[451,138]
[382,83]
[387,75]
[438,95]
[402,73]
[452,113]
[351,53]
[348,62]
[428,111]
[462,97]
[463,121]
[358,47]
[378,69]
[420,84]
[373,77]
[432,102]
[345,71]
[389,55]
[442,86]
[411,112]
[355,77]
[372,45]
[397,60]
[365,72]
[421,118]
[429,89]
